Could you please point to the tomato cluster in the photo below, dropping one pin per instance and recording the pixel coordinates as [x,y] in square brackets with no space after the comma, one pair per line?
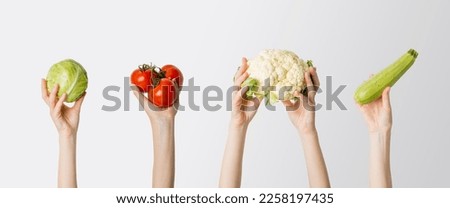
[159,83]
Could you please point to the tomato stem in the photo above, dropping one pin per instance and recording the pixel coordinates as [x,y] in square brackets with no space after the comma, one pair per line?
[159,74]
[144,67]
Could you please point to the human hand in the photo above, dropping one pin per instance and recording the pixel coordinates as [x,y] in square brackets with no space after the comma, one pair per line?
[66,119]
[302,112]
[378,114]
[154,112]
[243,110]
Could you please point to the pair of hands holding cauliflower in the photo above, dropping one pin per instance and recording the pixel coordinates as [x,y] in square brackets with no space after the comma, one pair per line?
[276,75]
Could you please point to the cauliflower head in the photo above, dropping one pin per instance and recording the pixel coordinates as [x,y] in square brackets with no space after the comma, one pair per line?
[275,75]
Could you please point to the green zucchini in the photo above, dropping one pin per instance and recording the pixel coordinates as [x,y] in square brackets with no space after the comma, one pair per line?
[373,88]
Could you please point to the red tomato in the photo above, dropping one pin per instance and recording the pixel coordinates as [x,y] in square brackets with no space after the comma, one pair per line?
[172,72]
[163,95]
[142,77]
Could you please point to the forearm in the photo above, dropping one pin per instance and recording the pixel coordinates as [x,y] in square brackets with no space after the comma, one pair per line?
[231,173]
[163,153]
[379,167]
[67,172]
[315,163]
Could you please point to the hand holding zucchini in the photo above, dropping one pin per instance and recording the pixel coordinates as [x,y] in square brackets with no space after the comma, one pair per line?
[373,88]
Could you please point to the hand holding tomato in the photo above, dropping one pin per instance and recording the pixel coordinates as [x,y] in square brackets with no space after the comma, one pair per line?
[161,107]
[161,86]
[154,111]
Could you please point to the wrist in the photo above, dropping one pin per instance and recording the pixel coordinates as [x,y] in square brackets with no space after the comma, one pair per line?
[162,121]
[380,131]
[67,136]
[303,132]
[67,142]
[238,125]
[379,127]
[380,135]
[163,129]
[308,133]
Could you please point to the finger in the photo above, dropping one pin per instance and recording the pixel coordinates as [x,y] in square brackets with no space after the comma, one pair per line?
[240,96]
[60,103]
[79,102]
[242,69]
[357,104]
[287,103]
[177,87]
[295,105]
[44,90]
[138,94]
[244,65]
[309,82]
[53,96]
[140,97]
[315,77]
[243,91]
[312,98]
[241,79]
[386,98]
[310,88]
[177,94]
[256,101]
[143,101]
[252,105]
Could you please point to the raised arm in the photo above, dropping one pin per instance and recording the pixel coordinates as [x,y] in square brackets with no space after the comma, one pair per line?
[162,121]
[242,113]
[302,115]
[66,120]
[378,116]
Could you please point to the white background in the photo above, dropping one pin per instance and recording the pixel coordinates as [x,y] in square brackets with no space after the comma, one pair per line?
[347,40]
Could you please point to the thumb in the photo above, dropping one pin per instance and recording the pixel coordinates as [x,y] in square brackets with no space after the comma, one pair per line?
[138,95]
[79,102]
[386,99]
[287,103]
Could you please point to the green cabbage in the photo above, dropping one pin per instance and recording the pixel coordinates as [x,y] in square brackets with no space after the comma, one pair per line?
[71,78]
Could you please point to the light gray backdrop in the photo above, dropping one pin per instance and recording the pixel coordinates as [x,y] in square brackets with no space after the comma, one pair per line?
[347,40]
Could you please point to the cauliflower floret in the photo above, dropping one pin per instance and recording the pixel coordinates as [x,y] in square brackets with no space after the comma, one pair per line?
[284,71]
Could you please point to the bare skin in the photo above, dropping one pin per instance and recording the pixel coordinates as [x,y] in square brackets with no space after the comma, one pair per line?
[242,114]
[302,115]
[378,116]
[66,120]
[162,121]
